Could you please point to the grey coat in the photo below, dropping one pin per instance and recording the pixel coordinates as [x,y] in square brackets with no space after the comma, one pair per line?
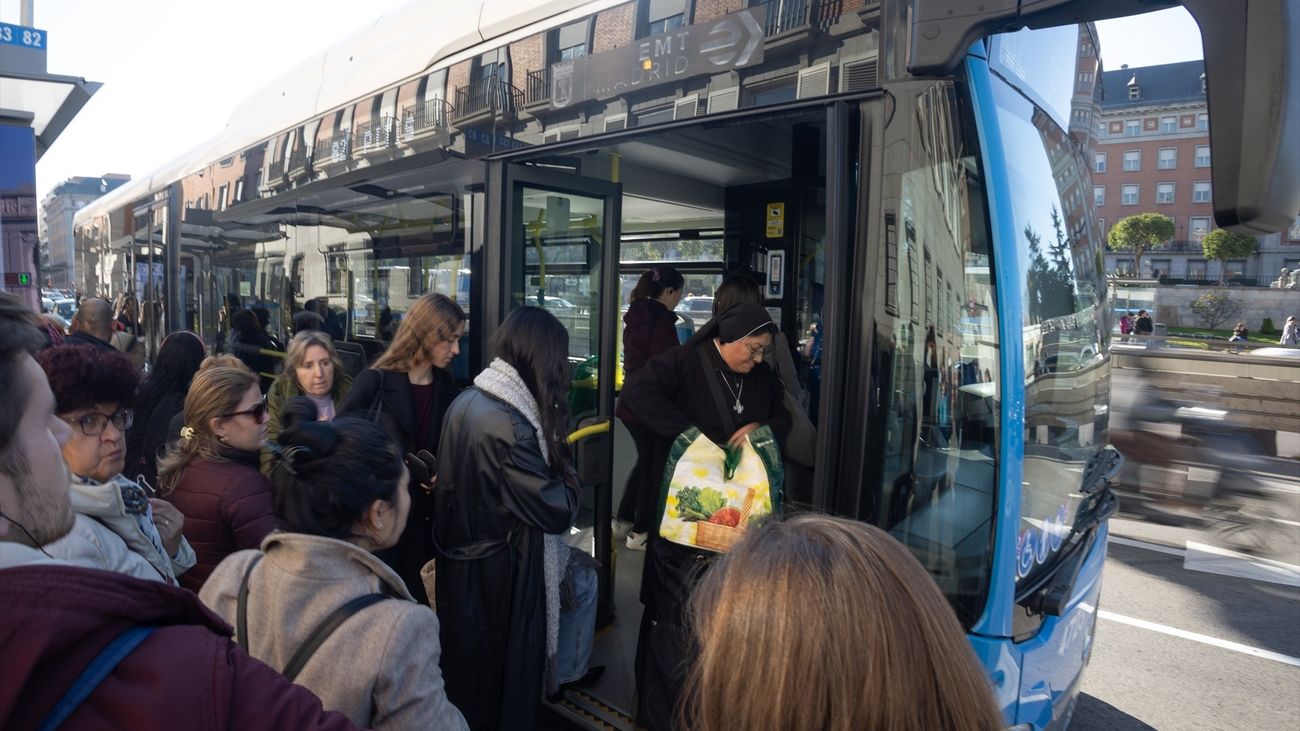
[380,668]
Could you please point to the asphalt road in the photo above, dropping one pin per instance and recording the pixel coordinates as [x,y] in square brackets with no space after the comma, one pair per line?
[1181,648]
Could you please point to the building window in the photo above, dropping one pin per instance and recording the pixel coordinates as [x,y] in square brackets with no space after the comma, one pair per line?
[1159,267]
[1132,160]
[1199,227]
[1099,162]
[1168,159]
[1164,192]
[1101,224]
[1201,191]
[1085,49]
[1168,124]
[1134,92]
[1196,268]
[1202,156]
[1099,195]
[336,267]
[1203,121]
[1235,267]
[570,41]
[223,197]
[239,190]
[1293,233]
[1132,128]
[1129,195]
[659,16]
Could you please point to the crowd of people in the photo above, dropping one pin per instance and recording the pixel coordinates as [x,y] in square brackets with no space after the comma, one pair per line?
[180,550]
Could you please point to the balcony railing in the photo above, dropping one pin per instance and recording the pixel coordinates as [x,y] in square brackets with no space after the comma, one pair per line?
[340,146]
[539,87]
[276,171]
[429,116]
[301,158]
[784,16]
[1212,280]
[1177,245]
[490,94]
[374,136]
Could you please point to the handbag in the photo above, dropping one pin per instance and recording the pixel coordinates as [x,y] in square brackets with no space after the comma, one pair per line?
[801,444]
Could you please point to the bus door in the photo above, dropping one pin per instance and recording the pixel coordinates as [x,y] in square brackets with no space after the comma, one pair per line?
[562,231]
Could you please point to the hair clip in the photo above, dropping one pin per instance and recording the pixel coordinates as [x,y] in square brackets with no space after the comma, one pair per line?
[187,433]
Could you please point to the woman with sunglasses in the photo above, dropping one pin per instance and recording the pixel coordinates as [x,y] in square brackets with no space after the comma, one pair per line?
[118,527]
[720,382]
[211,473]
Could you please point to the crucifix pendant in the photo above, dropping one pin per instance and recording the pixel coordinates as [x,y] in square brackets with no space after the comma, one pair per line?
[738,408]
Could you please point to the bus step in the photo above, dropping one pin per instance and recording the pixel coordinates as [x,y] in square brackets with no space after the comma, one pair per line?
[587,711]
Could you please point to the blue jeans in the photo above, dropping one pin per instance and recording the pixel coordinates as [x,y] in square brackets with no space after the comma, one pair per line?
[577,625]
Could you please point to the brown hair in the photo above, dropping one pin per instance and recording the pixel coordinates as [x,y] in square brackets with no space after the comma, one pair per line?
[736,289]
[216,389]
[296,352]
[825,623]
[430,320]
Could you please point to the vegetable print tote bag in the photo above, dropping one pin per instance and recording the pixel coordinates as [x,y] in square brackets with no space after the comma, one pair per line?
[711,494]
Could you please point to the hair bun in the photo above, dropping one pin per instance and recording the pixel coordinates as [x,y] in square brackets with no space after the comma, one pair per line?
[302,435]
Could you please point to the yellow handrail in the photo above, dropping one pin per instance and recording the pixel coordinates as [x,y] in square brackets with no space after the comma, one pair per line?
[590,431]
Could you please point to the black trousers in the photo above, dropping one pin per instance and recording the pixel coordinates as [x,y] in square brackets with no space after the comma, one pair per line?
[640,502]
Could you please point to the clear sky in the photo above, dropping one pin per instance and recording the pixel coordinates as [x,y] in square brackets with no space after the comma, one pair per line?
[174,69]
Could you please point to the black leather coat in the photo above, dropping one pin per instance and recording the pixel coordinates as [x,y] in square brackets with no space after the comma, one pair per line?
[494,500]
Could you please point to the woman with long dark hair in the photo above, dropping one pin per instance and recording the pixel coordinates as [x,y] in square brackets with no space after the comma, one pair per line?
[161,398]
[340,495]
[720,382]
[650,329]
[505,490]
[407,391]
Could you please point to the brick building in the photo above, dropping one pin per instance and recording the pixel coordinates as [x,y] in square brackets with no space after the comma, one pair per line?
[1153,155]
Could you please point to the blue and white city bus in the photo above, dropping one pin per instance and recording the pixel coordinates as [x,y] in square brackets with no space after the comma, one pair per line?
[908,178]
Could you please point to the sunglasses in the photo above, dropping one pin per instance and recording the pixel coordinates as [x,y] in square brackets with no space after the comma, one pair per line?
[257,412]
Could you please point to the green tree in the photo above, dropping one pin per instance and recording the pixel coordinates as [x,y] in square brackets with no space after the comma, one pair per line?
[1139,234]
[1223,245]
[1215,308]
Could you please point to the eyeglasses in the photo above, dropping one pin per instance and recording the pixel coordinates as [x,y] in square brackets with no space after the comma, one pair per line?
[759,353]
[94,423]
[257,412]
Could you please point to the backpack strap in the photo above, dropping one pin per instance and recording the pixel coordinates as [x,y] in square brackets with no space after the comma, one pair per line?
[94,674]
[324,630]
[241,607]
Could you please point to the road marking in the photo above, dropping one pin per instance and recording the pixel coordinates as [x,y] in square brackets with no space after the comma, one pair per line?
[1215,560]
[1148,546]
[1203,639]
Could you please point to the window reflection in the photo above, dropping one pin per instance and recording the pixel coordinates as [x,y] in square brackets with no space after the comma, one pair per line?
[1065,337]
[935,369]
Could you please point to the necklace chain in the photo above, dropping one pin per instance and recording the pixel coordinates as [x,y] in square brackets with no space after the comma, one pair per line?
[737,407]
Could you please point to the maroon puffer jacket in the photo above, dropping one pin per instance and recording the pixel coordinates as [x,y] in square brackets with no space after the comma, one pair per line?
[55,619]
[227,508]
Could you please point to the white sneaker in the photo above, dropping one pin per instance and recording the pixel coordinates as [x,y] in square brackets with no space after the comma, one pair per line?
[636,541]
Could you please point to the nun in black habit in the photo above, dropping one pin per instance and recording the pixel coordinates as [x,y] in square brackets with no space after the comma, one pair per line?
[720,382]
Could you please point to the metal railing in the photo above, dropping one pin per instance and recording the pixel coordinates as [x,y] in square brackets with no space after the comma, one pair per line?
[340,146]
[301,158]
[784,16]
[1178,245]
[276,170]
[1213,280]
[372,136]
[489,94]
[430,115]
[539,86]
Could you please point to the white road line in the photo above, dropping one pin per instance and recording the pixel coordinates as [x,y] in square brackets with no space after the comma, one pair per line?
[1216,560]
[1203,639]
[1148,546]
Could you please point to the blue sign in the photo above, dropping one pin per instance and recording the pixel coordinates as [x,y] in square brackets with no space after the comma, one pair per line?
[18,35]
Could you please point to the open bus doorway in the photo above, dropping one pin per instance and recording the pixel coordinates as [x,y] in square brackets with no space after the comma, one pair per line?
[713,200]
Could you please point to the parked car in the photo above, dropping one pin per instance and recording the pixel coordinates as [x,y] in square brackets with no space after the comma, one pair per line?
[699,307]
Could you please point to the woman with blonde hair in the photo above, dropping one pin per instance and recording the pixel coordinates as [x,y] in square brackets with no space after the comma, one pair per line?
[312,369]
[826,623]
[211,473]
[407,391]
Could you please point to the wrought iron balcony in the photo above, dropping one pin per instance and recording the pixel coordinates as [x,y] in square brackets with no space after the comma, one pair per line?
[376,136]
[276,170]
[427,117]
[539,87]
[489,95]
[339,146]
[300,160]
[790,15]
